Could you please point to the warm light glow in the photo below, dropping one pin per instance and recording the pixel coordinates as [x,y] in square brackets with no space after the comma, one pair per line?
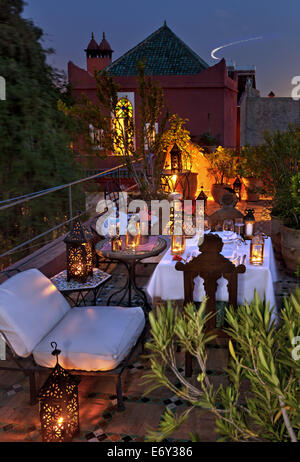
[177,244]
[257,250]
[123,126]
[132,240]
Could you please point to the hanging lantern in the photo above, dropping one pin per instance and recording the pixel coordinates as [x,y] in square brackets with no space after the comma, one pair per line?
[58,402]
[176,164]
[80,253]
[257,250]
[177,244]
[249,221]
[202,197]
[237,187]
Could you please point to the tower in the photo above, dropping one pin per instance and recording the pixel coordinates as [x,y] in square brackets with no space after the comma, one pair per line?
[98,57]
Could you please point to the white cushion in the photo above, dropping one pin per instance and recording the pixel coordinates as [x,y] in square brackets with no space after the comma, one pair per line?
[30,306]
[92,338]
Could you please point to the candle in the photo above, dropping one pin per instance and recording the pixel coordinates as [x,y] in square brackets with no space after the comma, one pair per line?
[249,229]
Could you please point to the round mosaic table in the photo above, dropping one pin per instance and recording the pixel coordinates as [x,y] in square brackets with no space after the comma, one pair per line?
[129,259]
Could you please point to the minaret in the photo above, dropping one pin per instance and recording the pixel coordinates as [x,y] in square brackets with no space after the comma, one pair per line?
[98,57]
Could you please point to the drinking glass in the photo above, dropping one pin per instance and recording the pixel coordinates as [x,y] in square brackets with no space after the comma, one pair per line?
[238,226]
[228,228]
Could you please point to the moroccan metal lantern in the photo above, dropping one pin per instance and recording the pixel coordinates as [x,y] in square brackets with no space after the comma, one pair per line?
[237,187]
[257,250]
[58,402]
[176,163]
[249,221]
[202,197]
[80,253]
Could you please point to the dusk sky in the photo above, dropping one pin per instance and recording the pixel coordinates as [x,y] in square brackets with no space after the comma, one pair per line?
[201,25]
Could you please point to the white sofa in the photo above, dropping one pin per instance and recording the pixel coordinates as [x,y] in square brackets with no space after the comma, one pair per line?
[33,313]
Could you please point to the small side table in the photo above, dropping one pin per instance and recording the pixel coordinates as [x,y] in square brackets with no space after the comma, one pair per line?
[83,289]
[130,259]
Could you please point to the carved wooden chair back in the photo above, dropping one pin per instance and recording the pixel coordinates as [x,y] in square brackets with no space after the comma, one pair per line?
[210,265]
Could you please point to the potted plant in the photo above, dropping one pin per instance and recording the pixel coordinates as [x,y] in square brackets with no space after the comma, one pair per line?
[290,229]
[223,166]
[280,161]
[207,141]
[178,135]
[249,169]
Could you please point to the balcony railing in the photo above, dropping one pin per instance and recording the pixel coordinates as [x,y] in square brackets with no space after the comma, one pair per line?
[117,172]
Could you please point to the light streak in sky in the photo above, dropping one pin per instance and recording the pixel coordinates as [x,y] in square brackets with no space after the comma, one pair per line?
[230,44]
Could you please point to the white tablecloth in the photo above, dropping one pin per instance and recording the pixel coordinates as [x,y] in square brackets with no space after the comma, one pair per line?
[167,283]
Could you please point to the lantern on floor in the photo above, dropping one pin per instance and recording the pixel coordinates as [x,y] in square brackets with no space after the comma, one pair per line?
[176,164]
[257,250]
[58,402]
[80,253]
[202,197]
[177,244]
[237,187]
[249,221]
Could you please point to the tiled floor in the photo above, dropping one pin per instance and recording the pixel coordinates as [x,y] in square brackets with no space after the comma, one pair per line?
[99,418]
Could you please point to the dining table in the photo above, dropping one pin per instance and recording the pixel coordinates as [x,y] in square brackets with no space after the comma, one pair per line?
[166,282]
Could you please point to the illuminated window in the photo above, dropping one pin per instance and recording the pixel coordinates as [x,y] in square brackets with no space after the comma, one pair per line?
[123,128]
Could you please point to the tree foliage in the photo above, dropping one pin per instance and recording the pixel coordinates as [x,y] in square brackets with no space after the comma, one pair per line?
[120,135]
[35,136]
[261,402]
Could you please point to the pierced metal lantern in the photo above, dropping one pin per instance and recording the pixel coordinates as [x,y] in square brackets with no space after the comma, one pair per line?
[249,221]
[237,187]
[58,402]
[257,250]
[80,253]
[202,197]
[176,163]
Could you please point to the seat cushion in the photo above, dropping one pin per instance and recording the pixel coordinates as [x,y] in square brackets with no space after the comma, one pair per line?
[30,306]
[92,338]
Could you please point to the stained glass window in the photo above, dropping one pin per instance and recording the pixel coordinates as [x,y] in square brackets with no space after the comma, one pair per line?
[123,127]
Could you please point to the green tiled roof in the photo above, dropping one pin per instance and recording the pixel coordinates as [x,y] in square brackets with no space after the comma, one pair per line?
[164,54]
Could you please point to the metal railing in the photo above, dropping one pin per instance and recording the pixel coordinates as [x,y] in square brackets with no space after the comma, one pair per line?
[8,203]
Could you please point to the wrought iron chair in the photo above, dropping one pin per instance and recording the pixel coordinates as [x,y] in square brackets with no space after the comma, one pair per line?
[210,265]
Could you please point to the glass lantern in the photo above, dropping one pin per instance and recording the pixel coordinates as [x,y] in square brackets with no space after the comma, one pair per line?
[257,250]
[177,244]
[133,235]
[249,221]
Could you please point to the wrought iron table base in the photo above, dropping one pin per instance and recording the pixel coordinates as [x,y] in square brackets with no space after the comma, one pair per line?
[130,286]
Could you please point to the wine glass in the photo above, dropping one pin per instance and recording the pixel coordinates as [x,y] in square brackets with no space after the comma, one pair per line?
[238,226]
[228,228]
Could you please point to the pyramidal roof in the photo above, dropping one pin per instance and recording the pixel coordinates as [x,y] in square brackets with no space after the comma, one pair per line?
[164,54]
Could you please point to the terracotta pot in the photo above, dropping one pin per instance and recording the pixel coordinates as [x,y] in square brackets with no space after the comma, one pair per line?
[276,224]
[251,184]
[187,184]
[217,191]
[290,247]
